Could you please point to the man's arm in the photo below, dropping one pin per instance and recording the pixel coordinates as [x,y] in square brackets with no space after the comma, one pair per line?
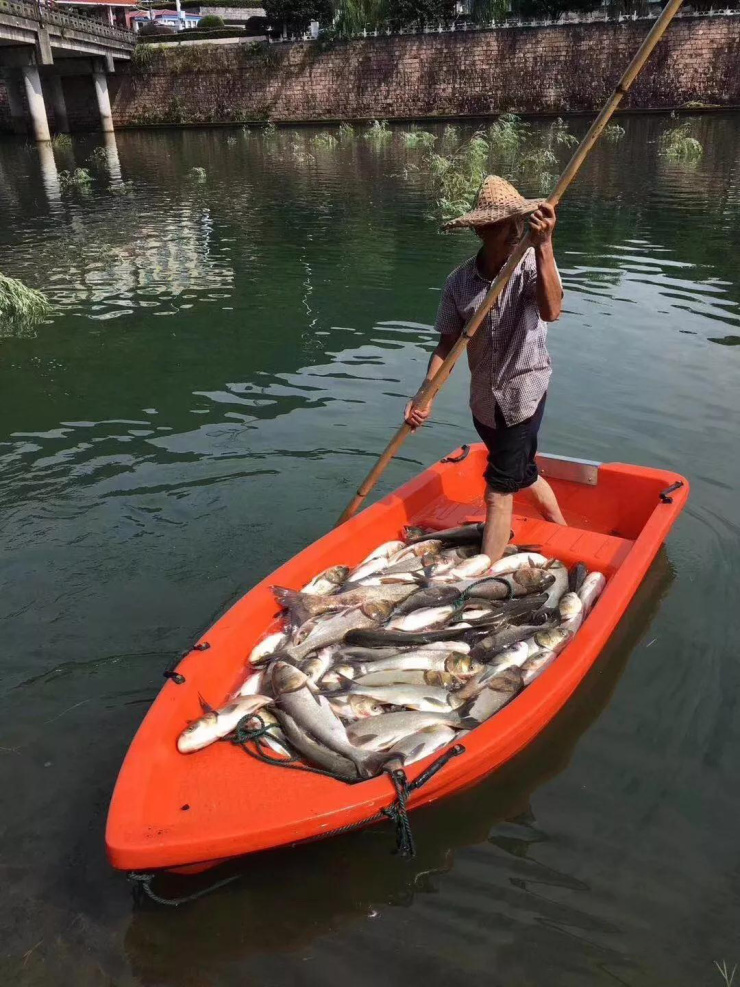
[415,415]
[549,288]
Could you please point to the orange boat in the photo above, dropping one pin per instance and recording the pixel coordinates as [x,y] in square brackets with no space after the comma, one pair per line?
[185,813]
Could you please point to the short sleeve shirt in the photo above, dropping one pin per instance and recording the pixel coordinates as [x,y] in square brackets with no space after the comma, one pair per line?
[509,363]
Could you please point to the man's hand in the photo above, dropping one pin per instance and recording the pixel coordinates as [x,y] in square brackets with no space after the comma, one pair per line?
[414,415]
[541,224]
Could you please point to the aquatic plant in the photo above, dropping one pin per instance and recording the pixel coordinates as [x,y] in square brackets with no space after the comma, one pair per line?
[678,145]
[324,139]
[558,135]
[346,133]
[98,156]
[727,975]
[507,133]
[78,180]
[270,131]
[121,188]
[456,178]
[197,175]
[450,136]
[614,133]
[231,139]
[20,305]
[419,138]
[61,141]
[378,133]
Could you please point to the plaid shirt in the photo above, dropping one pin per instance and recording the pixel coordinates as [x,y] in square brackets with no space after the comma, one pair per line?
[508,358]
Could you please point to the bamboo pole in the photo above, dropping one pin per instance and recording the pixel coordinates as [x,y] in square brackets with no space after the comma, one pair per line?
[432,387]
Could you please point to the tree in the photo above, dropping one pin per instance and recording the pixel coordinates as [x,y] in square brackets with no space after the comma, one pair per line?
[210,21]
[296,15]
[551,9]
[420,13]
[486,11]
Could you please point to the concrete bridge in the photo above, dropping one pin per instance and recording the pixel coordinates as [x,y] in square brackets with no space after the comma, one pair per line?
[39,46]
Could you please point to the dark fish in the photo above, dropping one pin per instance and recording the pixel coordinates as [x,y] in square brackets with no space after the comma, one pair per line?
[303,606]
[452,536]
[380,637]
[489,646]
[431,596]
[577,574]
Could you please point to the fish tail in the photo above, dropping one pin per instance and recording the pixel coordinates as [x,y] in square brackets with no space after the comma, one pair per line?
[294,602]
[373,764]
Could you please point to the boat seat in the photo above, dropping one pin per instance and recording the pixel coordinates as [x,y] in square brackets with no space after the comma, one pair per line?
[570,544]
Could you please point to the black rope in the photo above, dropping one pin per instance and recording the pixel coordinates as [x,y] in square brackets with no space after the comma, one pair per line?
[397,812]
[242,737]
[665,495]
[142,886]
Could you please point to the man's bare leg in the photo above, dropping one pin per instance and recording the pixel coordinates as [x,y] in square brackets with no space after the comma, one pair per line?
[546,501]
[497,531]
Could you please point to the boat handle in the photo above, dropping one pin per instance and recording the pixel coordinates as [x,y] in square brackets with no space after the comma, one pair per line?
[463,454]
[177,677]
[665,495]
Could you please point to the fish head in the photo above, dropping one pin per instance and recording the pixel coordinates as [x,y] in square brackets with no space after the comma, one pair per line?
[337,574]
[444,679]
[533,579]
[364,706]
[552,638]
[378,610]
[570,605]
[457,664]
[510,680]
[287,678]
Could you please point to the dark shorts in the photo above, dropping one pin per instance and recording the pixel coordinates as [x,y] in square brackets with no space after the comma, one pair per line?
[511,451]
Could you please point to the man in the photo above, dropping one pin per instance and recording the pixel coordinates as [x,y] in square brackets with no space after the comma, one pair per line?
[509,362]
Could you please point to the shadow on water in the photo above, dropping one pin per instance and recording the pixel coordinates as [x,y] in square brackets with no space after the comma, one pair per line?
[287,899]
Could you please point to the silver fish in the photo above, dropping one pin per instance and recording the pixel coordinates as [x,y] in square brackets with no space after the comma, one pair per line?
[419,620]
[503,638]
[328,581]
[252,685]
[514,656]
[351,708]
[409,676]
[510,563]
[384,551]
[274,738]
[315,752]
[591,590]
[470,567]
[317,666]
[302,606]
[429,546]
[382,732]
[421,744]
[560,585]
[421,660]
[217,723]
[496,695]
[315,716]
[426,698]
[267,647]
[576,576]
[534,667]
[335,628]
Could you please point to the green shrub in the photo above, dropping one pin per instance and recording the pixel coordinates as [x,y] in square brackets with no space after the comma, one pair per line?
[61,141]
[324,139]
[210,21]
[346,132]
[419,138]
[152,28]
[614,133]
[378,133]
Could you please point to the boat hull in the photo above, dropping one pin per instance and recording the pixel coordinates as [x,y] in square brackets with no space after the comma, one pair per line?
[187,812]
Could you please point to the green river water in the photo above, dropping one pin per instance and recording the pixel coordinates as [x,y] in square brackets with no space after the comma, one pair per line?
[225,359]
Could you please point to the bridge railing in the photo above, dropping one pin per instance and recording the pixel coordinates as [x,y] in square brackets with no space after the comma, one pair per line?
[43,14]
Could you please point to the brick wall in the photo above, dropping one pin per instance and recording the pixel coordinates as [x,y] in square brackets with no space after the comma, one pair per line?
[554,69]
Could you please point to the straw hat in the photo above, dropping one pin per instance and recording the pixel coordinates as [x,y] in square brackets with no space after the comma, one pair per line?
[496,200]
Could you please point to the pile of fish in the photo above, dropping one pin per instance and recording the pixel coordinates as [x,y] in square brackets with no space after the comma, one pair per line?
[381,665]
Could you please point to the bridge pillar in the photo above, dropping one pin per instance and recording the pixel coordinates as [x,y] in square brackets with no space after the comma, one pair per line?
[54,84]
[101,92]
[36,105]
[15,100]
